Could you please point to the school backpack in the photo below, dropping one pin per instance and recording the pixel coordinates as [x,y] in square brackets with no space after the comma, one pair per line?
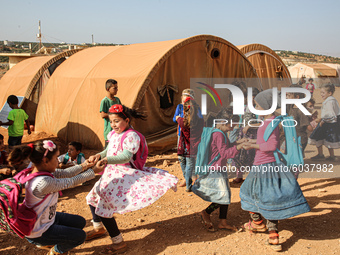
[138,159]
[202,159]
[16,217]
[79,157]
[293,156]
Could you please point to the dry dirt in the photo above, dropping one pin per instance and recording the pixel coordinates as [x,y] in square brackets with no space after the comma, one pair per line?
[172,225]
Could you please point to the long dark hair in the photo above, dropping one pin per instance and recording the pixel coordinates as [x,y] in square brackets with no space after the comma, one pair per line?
[130,113]
[190,109]
[35,152]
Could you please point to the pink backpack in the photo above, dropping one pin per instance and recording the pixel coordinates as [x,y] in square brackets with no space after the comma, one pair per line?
[16,217]
[138,159]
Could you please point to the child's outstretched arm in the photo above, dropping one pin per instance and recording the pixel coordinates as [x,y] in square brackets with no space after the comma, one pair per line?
[49,184]
[225,149]
[121,158]
[95,158]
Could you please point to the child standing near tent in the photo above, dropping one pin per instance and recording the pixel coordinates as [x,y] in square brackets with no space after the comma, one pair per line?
[180,113]
[302,120]
[213,183]
[327,132]
[16,119]
[55,230]
[73,157]
[191,126]
[273,195]
[310,86]
[123,188]
[310,107]
[111,87]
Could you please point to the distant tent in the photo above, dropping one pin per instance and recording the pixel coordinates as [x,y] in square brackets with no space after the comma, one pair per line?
[268,65]
[28,79]
[320,73]
[337,68]
[151,77]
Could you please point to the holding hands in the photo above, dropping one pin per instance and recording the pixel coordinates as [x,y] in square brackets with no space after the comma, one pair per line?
[246,143]
[96,167]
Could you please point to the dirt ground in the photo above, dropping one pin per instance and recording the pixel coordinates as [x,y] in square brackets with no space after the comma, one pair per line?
[172,226]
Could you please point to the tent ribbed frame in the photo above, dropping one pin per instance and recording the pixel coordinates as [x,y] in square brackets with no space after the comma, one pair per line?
[44,67]
[175,48]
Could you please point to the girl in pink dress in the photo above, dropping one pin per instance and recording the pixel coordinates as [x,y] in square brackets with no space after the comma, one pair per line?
[123,188]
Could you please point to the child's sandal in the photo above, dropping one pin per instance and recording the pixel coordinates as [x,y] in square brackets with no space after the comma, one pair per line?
[274,247]
[252,227]
[208,225]
[116,248]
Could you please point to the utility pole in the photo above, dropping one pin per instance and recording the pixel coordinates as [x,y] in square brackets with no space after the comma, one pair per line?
[39,35]
[92,40]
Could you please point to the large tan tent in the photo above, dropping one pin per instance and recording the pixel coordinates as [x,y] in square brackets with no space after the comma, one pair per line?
[28,79]
[151,76]
[320,73]
[269,66]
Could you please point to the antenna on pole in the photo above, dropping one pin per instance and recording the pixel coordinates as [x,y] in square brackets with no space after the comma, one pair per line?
[39,35]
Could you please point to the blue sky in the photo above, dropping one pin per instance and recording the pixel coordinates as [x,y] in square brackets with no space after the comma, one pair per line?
[308,26]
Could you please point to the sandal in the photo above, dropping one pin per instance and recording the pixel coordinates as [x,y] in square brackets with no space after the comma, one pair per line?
[250,227]
[44,247]
[231,228]
[208,225]
[116,248]
[274,247]
[95,233]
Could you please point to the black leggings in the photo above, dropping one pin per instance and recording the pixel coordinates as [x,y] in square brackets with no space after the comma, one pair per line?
[223,210]
[109,223]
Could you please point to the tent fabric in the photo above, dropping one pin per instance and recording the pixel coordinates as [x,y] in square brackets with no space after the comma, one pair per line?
[336,67]
[321,73]
[70,104]
[24,77]
[268,65]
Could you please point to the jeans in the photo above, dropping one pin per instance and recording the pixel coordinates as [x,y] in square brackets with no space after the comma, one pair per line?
[14,140]
[188,168]
[65,233]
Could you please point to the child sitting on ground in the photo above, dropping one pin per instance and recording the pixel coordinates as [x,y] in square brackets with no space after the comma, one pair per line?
[5,171]
[57,231]
[72,157]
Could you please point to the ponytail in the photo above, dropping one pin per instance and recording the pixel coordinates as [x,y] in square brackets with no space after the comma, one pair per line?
[35,152]
[125,112]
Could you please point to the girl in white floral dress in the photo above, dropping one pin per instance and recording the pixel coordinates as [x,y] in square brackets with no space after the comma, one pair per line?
[123,188]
